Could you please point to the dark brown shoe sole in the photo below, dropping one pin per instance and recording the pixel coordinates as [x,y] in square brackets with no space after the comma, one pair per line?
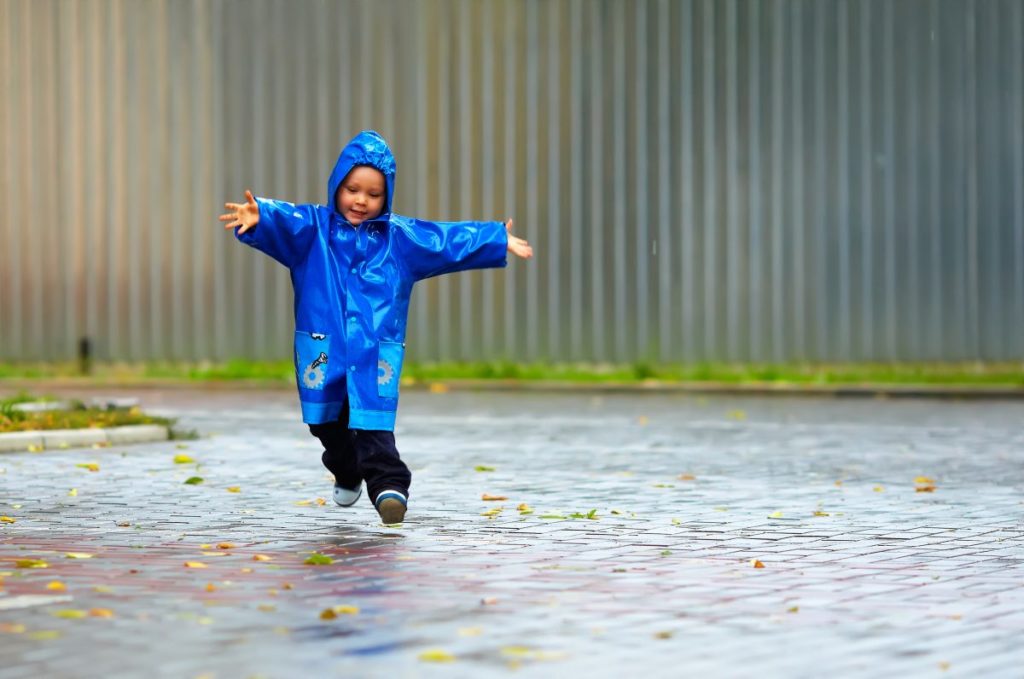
[391,510]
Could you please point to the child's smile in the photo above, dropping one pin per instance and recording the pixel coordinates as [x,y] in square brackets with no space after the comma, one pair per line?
[361,195]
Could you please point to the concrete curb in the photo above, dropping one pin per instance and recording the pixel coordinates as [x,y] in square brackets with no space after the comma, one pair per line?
[35,441]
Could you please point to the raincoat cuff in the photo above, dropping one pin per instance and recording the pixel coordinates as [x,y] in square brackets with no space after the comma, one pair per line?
[376,420]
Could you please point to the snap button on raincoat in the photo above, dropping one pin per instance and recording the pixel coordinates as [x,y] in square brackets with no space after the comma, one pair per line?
[352,287]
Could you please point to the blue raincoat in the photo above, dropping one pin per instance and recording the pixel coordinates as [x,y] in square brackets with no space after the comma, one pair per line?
[352,287]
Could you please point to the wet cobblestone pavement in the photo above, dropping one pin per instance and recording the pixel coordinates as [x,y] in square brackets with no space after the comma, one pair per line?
[638,535]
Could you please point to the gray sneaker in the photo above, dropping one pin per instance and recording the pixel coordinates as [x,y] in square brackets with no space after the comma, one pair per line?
[391,506]
[346,497]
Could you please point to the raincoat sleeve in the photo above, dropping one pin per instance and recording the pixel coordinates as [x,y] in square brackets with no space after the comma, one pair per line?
[435,248]
[285,231]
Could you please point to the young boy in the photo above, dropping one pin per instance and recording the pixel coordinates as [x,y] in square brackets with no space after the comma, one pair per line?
[353,264]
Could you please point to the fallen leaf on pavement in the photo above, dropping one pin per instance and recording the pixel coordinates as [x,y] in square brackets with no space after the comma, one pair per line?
[225,545]
[489,600]
[11,628]
[878,489]
[193,480]
[487,497]
[687,477]
[73,492]
[316,559]
[31,563]
[56,586]
[436,654]
[234,489]
[6,519]
[775,515]
[182,459]
[303,503]
[334,611]
[101,613]
[43,635]
[663,635]
[78,555]
[821,513]
[195,564]
[483,468]
[793,609]
[69,613]
[260,557]
[91,466]
[320,501]
[210,587]
[756,564]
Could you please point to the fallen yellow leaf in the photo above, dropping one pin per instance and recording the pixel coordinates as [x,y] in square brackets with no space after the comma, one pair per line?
[286,585]
[195,564]
[687,477]
[820,513]
[924,480]
[267,608]
[103,589]
[73,492]
[260,557]
[438,388]
[234,489]
[320,501]
[246,570]
[182,459]
[56,586]
[225,545]
[101,613]
[487,497]
[756,564]
[6,519]
[78,555]
[924,489]
[31,563]
[793,609]
[91,466]
[436,655]
[878,489]
[44,635]
[303,503]
[11,628]
[210,587]
[775,515]
[70,614]
[334,611]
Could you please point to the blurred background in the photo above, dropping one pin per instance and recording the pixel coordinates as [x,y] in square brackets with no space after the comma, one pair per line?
[702,180]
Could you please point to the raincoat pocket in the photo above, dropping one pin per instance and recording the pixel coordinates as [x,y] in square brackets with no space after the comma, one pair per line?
[389,368]
[312,352]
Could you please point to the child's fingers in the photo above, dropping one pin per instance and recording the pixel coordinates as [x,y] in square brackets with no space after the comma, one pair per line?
[249,197]
[226,217]
[508,224]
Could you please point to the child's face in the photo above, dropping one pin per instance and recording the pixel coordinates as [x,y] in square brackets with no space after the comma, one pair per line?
[361,195]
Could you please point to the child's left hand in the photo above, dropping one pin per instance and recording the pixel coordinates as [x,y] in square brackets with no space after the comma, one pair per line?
[517,246]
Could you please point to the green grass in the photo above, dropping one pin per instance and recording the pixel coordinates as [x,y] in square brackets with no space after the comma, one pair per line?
[280,373]
[77,416]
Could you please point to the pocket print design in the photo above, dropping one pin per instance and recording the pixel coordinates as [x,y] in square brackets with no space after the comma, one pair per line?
[389,368]
[312,351]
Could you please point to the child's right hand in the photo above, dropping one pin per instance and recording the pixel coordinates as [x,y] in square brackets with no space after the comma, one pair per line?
[246,215]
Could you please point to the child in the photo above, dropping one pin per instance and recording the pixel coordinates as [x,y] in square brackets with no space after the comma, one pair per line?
[353,264]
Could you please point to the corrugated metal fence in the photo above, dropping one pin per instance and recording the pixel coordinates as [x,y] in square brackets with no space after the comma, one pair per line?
[702,180]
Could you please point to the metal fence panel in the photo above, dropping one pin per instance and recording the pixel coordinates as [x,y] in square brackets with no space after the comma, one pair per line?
[727,180]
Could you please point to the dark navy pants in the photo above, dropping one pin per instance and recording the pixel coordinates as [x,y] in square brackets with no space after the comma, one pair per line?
[355,455]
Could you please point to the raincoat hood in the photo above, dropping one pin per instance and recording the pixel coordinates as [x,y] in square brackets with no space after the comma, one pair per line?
[366,148]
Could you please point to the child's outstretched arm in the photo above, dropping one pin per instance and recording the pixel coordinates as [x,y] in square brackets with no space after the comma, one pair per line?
[435,248]
[280,229]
